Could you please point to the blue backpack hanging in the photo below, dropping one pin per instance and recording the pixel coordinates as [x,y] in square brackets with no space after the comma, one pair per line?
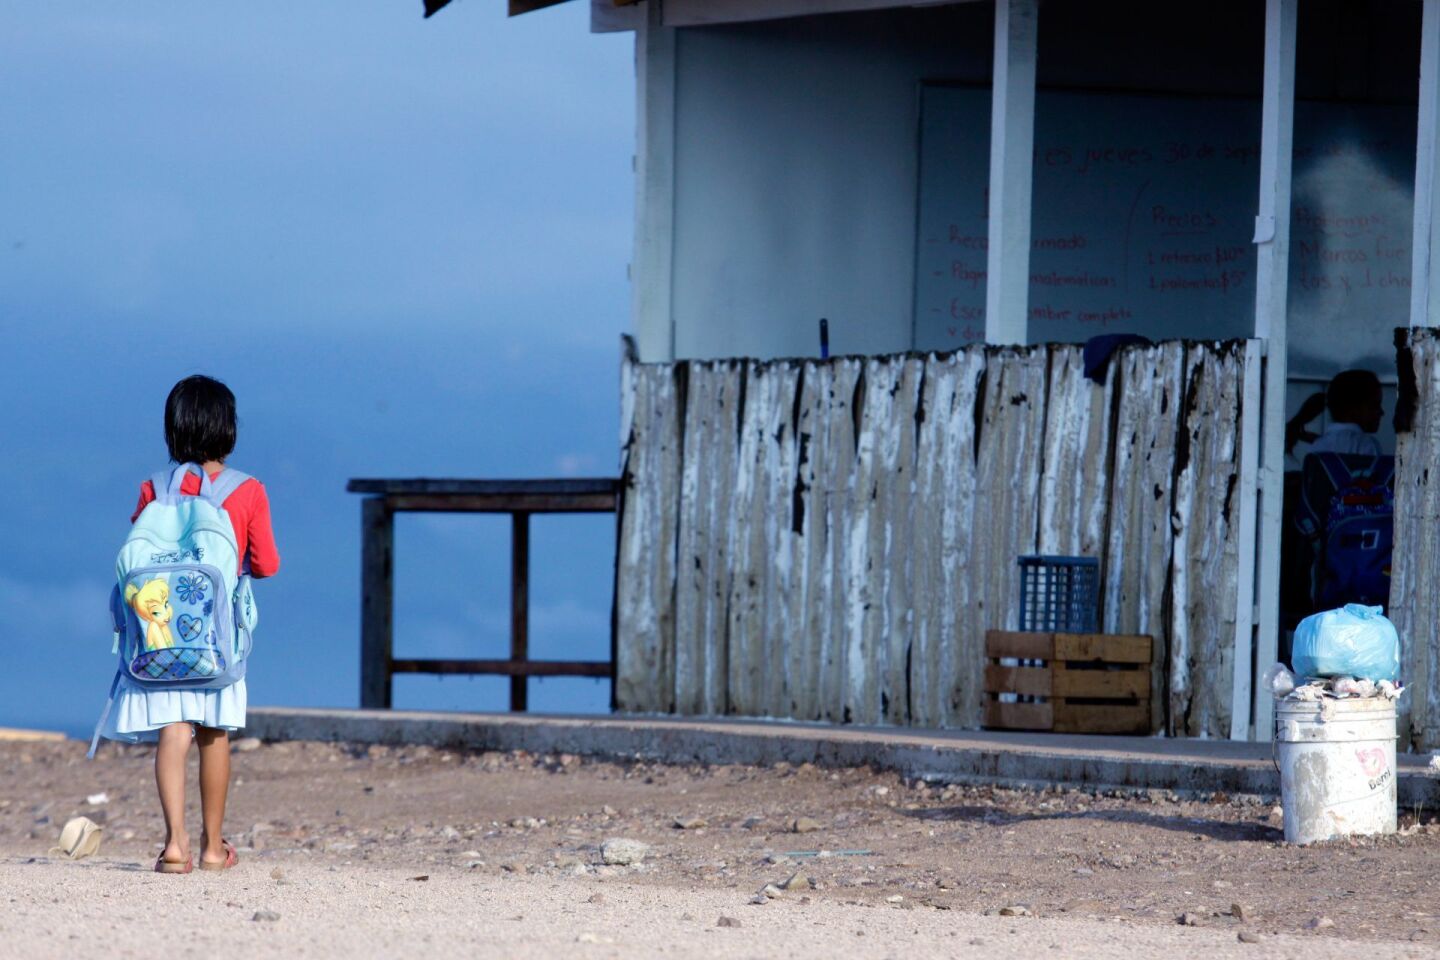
[182,614]
[1355,525]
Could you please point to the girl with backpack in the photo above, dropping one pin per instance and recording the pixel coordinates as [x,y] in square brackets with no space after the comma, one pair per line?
[183,615]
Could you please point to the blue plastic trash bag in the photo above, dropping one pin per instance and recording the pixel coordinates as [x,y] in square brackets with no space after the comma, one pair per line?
[1352,641]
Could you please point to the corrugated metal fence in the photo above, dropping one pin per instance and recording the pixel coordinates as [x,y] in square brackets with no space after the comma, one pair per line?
[829,540]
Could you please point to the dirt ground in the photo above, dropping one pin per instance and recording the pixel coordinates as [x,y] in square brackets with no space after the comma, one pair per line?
[336,840]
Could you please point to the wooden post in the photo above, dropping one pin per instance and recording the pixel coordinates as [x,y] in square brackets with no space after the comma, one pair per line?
[519,604]
[651,264]
[1251,411]
[377,601]
[1012,145]
[1425,266]
[620,507]
[1272,239]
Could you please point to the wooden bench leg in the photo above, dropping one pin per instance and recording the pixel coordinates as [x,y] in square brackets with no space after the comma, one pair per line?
[519,605]
[377,601]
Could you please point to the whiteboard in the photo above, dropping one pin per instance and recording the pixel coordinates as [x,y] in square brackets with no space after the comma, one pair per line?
[1143,217]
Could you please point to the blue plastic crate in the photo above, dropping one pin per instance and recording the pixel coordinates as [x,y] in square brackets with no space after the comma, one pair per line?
[1059,594]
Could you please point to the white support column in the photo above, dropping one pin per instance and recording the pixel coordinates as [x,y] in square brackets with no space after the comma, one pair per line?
[1012,143]
[651,276]
[1272,238]
[1425,266]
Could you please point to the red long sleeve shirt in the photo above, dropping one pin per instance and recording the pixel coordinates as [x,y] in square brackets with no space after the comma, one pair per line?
[249,510]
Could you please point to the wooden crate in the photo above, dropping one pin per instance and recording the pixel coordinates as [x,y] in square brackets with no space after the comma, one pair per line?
[1090,682]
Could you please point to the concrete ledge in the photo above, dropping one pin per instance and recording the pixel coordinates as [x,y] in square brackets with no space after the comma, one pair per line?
[1011,759]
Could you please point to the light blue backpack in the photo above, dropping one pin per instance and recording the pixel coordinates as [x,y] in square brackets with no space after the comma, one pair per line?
[183,616]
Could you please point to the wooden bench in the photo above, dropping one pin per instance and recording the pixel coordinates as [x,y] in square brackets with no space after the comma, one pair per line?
[519,498]
[1088,683]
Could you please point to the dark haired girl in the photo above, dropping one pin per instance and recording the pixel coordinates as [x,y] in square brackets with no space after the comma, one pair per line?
[200,429]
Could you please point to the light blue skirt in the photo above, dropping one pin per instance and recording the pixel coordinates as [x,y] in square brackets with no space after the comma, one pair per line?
[138,715]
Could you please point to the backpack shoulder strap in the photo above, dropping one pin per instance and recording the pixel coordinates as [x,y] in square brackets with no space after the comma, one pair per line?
[1335,468]
[159,483]
[227,483]
[1383,472]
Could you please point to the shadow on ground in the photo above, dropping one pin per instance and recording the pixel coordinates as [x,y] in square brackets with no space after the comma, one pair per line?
[1214,829]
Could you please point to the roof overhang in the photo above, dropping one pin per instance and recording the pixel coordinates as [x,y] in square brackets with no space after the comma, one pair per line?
[697,13]
[517,7]
[610,15]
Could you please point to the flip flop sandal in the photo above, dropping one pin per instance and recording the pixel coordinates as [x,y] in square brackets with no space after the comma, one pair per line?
[231,858]
[170,866]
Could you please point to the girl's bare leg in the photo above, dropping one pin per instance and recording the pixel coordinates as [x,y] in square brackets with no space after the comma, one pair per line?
[170,781]
[214,789]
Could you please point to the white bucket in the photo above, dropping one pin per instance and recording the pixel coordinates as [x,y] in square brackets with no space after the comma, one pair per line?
[1337,767]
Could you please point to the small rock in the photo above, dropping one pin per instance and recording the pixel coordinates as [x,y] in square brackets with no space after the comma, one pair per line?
[727,922]
[796,881]
[759,900]
[596,897]
[1015,910]
[98,799]
[1084,872]
[690,823]
[588,937]
[246,744]
[895,898]
[471,855]
[277,874]
[804,825]
[771,892]
[1320,923]
[619,851]
[1085,905]
[514,867]
[609,811]
[1248,936]
[1241,912]
[1188,919]
[578,870]
[750,823]
[265,916]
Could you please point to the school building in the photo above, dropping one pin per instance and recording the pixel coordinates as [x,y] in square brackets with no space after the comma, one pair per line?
[969,192]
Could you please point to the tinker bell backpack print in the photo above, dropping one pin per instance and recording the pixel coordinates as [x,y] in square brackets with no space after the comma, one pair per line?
[183,616]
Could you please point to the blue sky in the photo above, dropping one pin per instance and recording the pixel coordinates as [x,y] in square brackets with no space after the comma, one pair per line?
[403,243]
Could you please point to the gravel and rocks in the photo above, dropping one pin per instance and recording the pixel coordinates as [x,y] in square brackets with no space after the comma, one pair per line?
[315,820]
